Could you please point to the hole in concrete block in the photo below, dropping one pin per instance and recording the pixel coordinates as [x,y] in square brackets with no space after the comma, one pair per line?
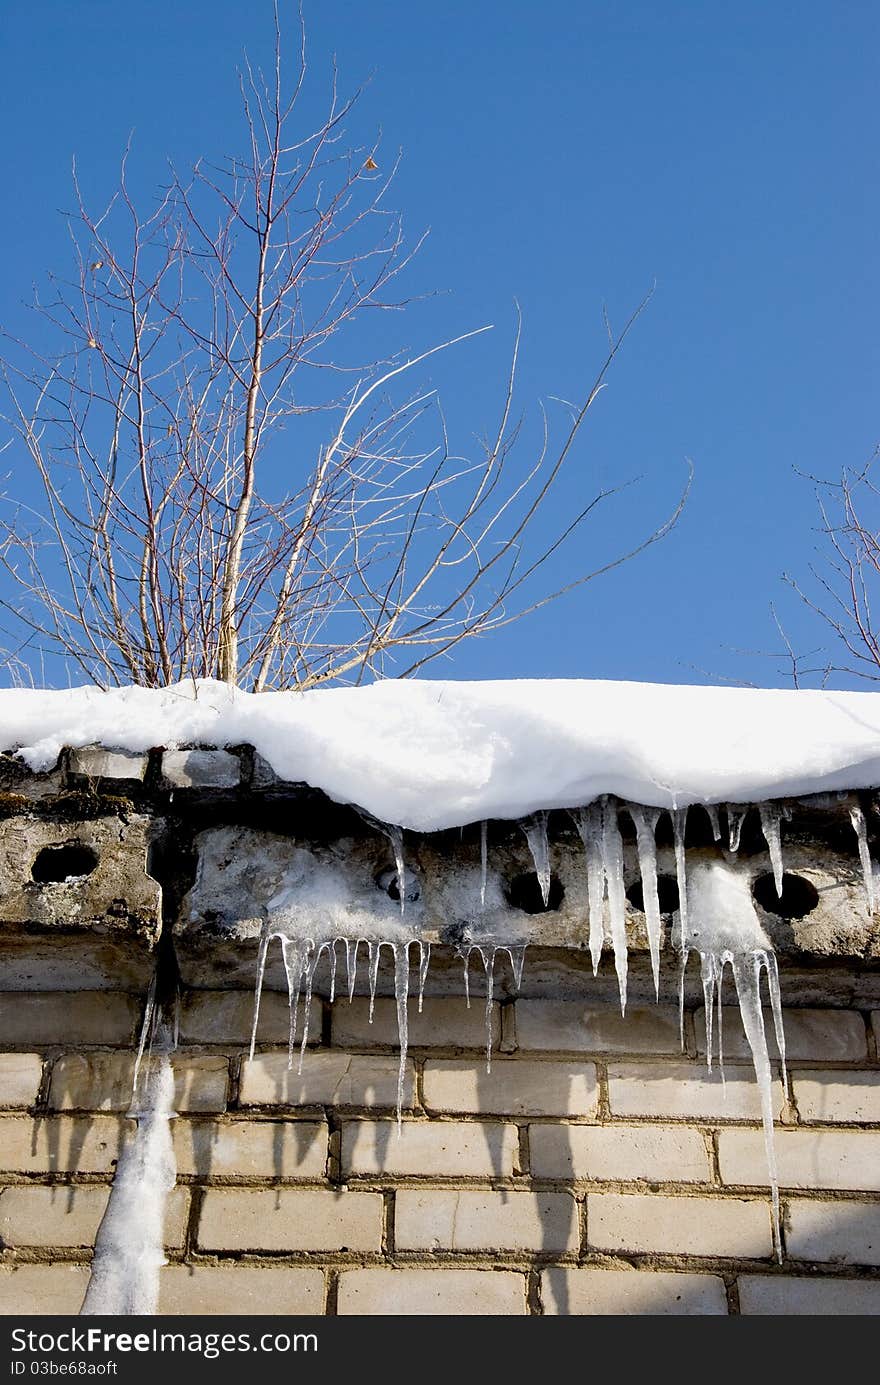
[667,894]
[69,861]
[389,881]
[524,892]
[799,896]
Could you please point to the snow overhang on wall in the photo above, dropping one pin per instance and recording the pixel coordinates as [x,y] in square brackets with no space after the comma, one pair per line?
[297,813]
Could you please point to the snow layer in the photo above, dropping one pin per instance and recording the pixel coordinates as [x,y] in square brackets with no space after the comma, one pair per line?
[430,755]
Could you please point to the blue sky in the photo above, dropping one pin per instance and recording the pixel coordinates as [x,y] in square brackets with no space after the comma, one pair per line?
[566,155]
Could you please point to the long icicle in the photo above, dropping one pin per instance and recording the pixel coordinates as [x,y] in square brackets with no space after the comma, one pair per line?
[612,861]
[589,825]
[535,829]
[770,816]
[645,820]
[857,818]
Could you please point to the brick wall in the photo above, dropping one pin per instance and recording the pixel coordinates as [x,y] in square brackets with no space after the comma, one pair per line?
[595,1170]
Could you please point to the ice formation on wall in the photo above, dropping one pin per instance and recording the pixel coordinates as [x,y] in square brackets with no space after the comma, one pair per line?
[312,915]
[129,1245]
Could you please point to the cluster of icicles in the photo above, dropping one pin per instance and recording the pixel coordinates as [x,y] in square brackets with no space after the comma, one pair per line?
[716,919]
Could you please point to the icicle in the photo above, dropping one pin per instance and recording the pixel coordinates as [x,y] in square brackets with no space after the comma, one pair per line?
[146,1029]
[707,975]
[489,964]
[351,947]
[373,955]
[535,829]
[770,827]
[857,818]
[612,863]
[258,985]
[395,836]
[311,964]
[589,825]
[747,975]
[645,820]
[424,963]
[679,828]
[484,865]
[401,995]
[712,814]
[466,956]
[294,955]
[332,971]
[735,818]
[517,957]
[772,969]
[681,971]
[129,1244]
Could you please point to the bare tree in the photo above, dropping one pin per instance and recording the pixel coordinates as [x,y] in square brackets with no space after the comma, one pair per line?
[224,490]
[846,572]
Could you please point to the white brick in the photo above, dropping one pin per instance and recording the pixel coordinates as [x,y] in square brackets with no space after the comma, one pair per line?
[327,1079]
[844,1232]
[61,1144]
[780,1295]
[290,1219]
[226,1017]
[250,1148]
[678,1225]
[686,1091]
[571,1025]
[201,769]
[833,1159]
[68,1017]
[20,1077]
[831,1036]
[452,1219]
[445,1022]
[655,1153]
[240,1290]
[70,1216]
[606,1293]
[851,1098]
[95,762]
[423,1293]
[431,1149]
[103,1082]
[515,1086]
[31,1290]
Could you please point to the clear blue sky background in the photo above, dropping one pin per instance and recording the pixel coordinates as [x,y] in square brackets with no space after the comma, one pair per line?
[566,154]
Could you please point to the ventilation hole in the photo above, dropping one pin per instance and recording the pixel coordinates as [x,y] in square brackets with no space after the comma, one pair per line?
[799,896]
[389,882]
[57,863]
[524,892]
[667,893]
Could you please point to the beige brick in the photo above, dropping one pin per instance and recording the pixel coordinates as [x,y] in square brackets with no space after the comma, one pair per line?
[20,1077]
[686,1091]
[832,1036]
[656,1153]
[61,1144]
[782,1295]
[240,1290]
[290,1219]
[28,1290]
[259,1149]
[572,1025]
[678,1225]
[515,1086]
[833,1159]
[852,1098]
[840,1231]
[327,1079]
[452,1219]
[68,1017]
[444,1022]
[102,1082]
[423,1293]
[604,1293]
[431,1149]
[226,1017]
[70,1216]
